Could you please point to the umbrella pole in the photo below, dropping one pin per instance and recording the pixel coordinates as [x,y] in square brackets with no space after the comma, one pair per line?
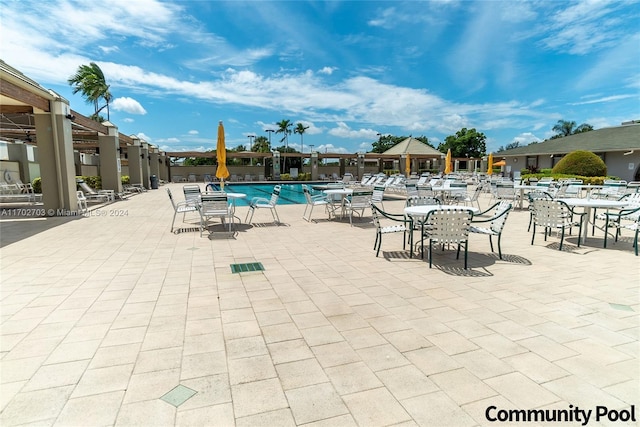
[221,184]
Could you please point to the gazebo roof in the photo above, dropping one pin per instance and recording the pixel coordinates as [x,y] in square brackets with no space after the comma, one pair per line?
[413,146]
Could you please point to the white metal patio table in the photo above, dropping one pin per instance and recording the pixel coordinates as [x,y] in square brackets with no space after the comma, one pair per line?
[587,204]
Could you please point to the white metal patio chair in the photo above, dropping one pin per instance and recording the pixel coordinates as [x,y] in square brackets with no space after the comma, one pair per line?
[214,205]
[555,215]
[264,203]
[357,203]
[448,226]
[313,201]
[495,223]
[400,224]
[180,207]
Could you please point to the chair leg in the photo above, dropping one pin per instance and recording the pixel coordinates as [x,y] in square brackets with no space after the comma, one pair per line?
[491,242]
[379,243]
[466,245]
[250,212]
[561,238]
[499,248]
[174,220]
[533,235]
[430,252]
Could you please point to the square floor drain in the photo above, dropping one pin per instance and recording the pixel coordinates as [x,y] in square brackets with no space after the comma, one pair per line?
[621,307]
[178,395]
[249,266]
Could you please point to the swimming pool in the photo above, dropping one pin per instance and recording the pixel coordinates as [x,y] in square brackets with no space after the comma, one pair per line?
[290,194]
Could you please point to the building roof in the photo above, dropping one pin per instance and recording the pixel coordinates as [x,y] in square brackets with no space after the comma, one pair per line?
[413,146]
[618,138]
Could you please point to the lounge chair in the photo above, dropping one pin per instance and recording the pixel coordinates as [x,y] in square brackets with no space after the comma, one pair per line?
[191,194]
[93,195]
[555,214]
[263,203]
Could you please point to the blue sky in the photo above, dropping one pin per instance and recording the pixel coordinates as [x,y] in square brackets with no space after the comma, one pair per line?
[347,69]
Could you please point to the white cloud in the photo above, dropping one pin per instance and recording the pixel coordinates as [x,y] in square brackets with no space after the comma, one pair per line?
[526,138]
[128,105]
[327,70]
[344,131]
[143,137]
[193,132]
[128,120]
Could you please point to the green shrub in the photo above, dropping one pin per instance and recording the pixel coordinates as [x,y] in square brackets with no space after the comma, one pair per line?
[584,163]
[37,185]
[125,180]
[94,182]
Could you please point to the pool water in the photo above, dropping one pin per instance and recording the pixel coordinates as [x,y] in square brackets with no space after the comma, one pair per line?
[290,194]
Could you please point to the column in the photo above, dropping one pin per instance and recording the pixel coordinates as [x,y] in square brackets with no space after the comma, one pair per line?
[154,162]
[314,166]
[144,160]
[134,153]
[110,170]
[276,165]
[360,165]
[57,169]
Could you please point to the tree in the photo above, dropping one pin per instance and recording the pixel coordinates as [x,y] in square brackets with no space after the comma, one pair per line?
[385,142]
[465,143]
[300,129]
[260,144]
[90,81]
[284,127]
[514,144]
[565,128]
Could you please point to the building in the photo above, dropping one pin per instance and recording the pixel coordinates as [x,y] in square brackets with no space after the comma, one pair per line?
[618,147]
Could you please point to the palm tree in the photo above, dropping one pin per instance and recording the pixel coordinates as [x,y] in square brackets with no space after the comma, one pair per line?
[565,128]
[90,81]
[300,129]
[284,127]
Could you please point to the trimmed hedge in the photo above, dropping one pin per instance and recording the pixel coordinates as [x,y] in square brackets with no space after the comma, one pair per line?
[584,163]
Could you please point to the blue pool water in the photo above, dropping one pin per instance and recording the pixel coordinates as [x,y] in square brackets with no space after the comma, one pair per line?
[290,194]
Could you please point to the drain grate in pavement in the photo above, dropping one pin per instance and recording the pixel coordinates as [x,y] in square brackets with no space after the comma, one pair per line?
[178,395]
[248,266]
[621,307]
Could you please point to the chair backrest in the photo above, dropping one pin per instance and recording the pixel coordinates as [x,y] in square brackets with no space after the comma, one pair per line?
[551,213]
[500,216]
[214,204]
[378,194]
[361,198]
[476,192]
[191,193]
[275,195]
[81,197]
[449,225]
[422,201]
[173,203]
[412,190]
[85,187]
[307,194]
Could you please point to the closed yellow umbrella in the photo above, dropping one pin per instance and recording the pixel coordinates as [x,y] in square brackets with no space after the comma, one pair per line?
[490,168]
[221,154]
[447,168]
[407,166]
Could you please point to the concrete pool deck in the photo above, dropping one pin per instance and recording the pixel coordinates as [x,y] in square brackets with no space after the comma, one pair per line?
[110,319]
